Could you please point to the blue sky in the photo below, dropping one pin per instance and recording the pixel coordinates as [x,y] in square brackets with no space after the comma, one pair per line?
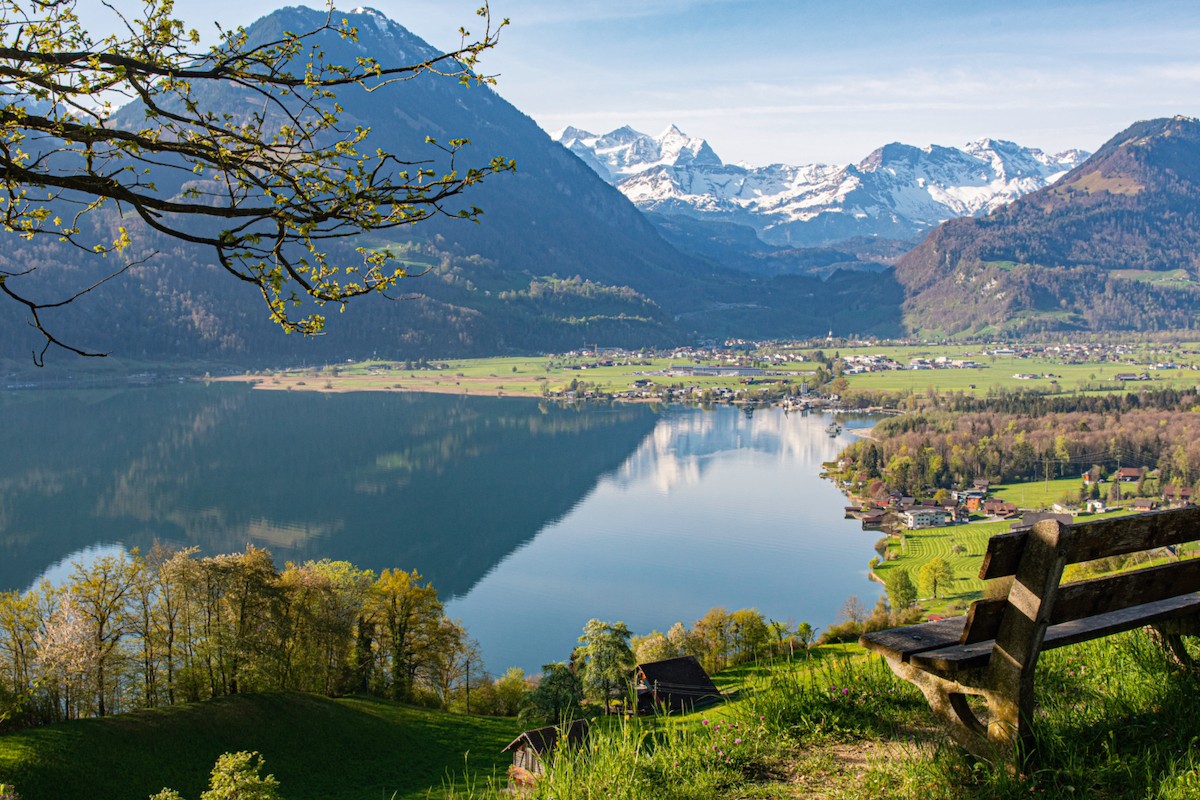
[801,82]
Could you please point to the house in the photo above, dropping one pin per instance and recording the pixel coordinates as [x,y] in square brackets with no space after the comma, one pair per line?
[999,508]
[967,495]
[674,684]
[874,519]
[1092,477]
[1145,504]
[1130,474]
[925,518]
[1177,495]
[530,748]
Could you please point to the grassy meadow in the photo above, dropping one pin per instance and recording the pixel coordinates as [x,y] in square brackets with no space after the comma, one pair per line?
[998,373]
[318,748]
[494,377]
[832,724]
[531,376]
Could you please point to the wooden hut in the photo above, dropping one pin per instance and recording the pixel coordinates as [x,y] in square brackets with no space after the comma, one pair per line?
[530,748]
[674,684]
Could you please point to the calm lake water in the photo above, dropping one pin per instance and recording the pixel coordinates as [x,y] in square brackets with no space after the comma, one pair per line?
[529,519]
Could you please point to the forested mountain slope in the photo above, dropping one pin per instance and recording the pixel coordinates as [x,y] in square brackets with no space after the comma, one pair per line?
[1113,245]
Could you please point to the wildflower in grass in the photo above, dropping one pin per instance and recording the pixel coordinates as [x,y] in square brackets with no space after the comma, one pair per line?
[737,741]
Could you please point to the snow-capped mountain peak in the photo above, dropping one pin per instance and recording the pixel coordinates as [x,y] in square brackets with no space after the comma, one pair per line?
[896,191]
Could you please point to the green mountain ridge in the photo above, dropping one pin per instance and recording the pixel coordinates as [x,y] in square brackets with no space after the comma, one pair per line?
[1120,232]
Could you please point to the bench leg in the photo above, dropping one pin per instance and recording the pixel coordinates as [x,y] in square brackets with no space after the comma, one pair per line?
[948,699]
[1170,636]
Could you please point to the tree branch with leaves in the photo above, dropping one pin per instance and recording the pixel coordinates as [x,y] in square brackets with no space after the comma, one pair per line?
[128,121]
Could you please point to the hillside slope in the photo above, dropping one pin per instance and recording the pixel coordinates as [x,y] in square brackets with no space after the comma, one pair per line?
[1118,233]
[318,748]
[559,258]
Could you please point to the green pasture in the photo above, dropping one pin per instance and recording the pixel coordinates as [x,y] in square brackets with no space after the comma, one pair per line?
[997,373]
[318,748]
[962,546]
[1043,494]
[510,376]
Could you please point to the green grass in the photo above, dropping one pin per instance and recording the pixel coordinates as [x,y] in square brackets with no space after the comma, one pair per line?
[921,546]
[996,373]
[1115,721]
[508,376]
[845,727]
[1044,494]
[1173,277]
[1039,494]
[318,748]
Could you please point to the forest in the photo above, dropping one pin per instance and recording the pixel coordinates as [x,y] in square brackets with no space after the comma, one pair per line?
[1021,437]
[142,631]
[132,631]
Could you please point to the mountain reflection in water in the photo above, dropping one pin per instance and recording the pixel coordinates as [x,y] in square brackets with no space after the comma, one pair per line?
[528,518]
[714,508]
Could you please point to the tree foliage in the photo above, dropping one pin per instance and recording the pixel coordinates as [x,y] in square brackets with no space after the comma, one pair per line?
[934,576]
[129,632]
[1020,437]
[900,589]
[266,188]
[605,658]
[235,776]
[556,697]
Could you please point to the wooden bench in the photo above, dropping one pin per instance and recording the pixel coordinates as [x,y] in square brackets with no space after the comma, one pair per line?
[993,650]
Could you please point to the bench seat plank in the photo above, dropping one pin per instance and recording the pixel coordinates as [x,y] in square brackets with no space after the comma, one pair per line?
[907,641]
[951,660]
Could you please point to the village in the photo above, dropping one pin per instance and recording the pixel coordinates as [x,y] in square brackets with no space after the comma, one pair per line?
[1130,490]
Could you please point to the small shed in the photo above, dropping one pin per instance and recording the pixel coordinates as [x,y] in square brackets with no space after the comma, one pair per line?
[675,684]
[531,747]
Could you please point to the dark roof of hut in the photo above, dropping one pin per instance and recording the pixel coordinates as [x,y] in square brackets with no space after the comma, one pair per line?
[677,674]
[543,739]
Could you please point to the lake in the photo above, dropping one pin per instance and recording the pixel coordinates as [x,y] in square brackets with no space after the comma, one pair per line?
[529,518]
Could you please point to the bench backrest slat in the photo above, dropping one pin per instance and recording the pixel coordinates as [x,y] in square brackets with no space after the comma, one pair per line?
[1106,537]
[1087,598]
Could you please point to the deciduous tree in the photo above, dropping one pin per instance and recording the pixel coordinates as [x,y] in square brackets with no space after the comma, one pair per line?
[935,575]
[556,697]
[900,589]
[606,659]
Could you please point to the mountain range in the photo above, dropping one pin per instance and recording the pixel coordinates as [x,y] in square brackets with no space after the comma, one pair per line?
[898,191]
[560,258]
[632,240]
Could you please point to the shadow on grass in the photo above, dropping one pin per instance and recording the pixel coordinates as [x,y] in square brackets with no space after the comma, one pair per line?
[317,747]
